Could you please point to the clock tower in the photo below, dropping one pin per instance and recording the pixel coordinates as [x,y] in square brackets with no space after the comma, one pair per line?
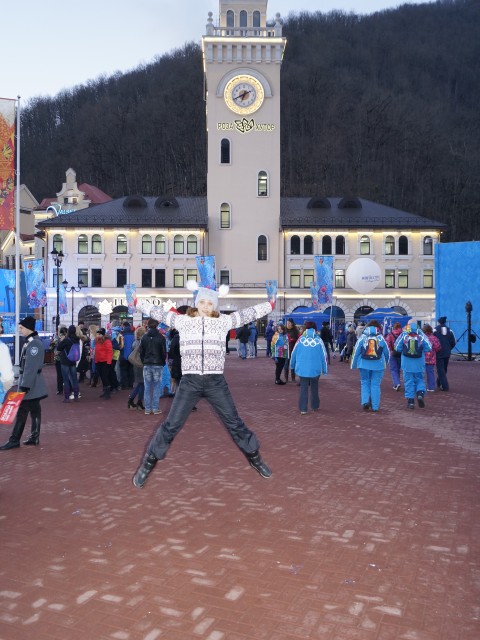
[242,60]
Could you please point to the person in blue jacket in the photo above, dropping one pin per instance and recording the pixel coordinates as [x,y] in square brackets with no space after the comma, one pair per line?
[370,356]
[309,362]
[413,344]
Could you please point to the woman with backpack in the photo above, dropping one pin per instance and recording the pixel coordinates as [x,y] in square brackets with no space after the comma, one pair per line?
[370,356]
[69,350]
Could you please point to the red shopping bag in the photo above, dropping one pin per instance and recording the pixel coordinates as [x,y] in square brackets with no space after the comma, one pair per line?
[9,408]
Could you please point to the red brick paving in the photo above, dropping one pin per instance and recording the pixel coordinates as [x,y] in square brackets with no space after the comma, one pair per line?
[368,529]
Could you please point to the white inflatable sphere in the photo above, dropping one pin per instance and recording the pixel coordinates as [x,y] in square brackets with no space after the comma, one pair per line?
[363,275]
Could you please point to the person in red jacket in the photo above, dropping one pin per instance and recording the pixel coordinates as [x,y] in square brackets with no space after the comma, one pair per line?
[103,360]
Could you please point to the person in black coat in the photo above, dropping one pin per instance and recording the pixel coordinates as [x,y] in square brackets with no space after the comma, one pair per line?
[31,382]
[326,336]
[447,342]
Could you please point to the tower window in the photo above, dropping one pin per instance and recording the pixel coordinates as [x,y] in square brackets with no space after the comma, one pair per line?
[262,252]
[225,151]
[225,221]
[262,183]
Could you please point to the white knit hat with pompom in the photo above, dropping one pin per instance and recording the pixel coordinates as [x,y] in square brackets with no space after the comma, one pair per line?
[202,293]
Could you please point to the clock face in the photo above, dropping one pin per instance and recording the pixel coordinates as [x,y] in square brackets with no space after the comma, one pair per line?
[244,94]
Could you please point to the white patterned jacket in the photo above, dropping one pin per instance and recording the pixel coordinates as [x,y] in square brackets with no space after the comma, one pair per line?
[202,340]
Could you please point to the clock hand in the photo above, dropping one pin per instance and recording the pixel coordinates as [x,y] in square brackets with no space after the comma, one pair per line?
[243,95]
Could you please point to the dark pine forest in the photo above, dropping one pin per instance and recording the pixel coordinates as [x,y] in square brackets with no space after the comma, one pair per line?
[384,107]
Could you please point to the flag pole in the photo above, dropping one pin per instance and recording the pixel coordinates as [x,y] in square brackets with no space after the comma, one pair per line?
[17,239]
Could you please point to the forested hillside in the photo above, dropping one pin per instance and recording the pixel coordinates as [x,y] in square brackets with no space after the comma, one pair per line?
[384,106]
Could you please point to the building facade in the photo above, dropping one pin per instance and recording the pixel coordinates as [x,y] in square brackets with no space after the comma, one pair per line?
[254,234]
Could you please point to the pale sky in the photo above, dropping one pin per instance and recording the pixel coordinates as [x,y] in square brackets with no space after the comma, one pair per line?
[54,45]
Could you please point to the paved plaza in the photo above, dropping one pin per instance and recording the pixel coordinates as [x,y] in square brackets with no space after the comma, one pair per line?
[369,528]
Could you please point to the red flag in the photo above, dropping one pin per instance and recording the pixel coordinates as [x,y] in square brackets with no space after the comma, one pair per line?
[7,164]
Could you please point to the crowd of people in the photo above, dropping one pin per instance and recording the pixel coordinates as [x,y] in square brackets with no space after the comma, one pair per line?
[418,355]
[147,361]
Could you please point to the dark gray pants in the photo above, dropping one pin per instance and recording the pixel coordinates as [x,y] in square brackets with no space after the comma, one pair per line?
[214,389]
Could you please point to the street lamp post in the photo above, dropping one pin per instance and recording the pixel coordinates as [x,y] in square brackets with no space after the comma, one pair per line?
[57,257]
[468,309]
[73,290]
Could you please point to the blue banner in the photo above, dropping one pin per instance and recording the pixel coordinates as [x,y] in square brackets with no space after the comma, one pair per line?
[35,283]
[62,300]
[206,272]
[272,288]
[314,292]
[324,273]
[131,295]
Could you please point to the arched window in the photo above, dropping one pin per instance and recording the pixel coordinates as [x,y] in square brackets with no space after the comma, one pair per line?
[262,253]
[192,244]
[389,246]
[122,243]
[327,245]
[225,221]
[340,246]
[178,244]
[58,242]
[146,244]
[364,246]
[225,151]
[428,246]
[256,18]
[295,245]
[243,18]
[96,243]
[308,246]
[403,246]
[262,183]
[160,243]
[82,243]
[230,18]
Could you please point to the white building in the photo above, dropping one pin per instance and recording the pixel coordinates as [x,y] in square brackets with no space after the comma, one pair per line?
[254,234]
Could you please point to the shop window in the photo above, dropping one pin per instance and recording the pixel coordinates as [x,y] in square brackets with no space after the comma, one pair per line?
[326,246]
[403,246]
[96,243]
[146,244]
[82,243]
[364,246]
[389,246]
[308,246]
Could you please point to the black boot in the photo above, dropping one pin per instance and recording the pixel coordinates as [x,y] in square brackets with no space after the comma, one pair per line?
[255,461]
[140,406]
[34,438]
[421,399]
[131,404]
[106,393]
[148,463]
[19,426]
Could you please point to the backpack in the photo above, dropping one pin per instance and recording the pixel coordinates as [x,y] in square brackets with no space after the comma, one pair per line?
[74,352]
[412,346]
[370,349]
